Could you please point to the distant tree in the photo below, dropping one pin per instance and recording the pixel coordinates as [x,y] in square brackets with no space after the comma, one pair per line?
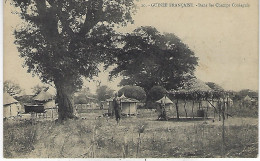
[12,88]
[133,92]
[156,93]
[150,58]
[104,92]
[38,88]
[61,41]
[243,93]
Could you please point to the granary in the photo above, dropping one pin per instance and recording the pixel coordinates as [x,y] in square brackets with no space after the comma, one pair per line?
[166,101]
[44,103]
[128,105]
[11,106]
[46,99]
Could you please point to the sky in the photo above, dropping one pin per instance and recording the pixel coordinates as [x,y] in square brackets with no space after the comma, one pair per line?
[224,39]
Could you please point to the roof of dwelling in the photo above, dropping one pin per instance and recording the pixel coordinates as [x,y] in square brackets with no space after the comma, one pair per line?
[165,100]
[7,99]
[125,99]
[43,96]
[193,85]
[247,98]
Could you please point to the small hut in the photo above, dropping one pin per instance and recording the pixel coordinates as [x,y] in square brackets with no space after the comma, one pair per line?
[247,99]
[44,100]
[128,106]
[11,106]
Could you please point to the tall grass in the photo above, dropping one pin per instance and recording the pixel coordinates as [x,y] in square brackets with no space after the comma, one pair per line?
[103,138]
[18,138]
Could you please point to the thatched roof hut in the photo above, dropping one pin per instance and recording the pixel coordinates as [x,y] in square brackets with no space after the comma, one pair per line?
[43,96]
[11,106]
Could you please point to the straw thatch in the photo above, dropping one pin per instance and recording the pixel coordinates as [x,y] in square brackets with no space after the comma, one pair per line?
[193,85]
[43,96]
[7,99]
[165,100]
[123,98]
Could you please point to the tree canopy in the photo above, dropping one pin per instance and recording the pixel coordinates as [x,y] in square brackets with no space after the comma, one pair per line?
[156,93]
[133,92]
[62,40]
[150,58]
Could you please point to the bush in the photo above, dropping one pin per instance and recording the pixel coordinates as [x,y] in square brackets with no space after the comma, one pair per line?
[135,92]
[156,93]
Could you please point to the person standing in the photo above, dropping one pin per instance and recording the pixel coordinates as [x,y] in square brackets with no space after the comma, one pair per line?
[117,108]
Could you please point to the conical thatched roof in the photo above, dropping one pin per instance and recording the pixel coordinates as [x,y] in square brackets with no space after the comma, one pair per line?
[7,99]
[165,100]
[43,96]
[247,98]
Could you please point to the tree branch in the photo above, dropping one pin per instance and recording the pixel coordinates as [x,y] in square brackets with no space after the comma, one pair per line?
[93,15]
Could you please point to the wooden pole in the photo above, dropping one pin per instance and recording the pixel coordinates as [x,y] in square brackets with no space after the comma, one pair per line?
[177,110]
[192,108]
[227,107]
[185,108]
[219,109]
[223,129]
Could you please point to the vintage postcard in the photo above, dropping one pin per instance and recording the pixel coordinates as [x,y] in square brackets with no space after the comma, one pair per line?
[130,78]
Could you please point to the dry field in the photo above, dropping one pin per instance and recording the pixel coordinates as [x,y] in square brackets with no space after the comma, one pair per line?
[142,136]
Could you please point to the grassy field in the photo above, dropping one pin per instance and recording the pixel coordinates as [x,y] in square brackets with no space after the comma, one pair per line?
[142,136]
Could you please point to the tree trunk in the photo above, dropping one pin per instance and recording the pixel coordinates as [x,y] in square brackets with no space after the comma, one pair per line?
[185,109]
[177,110]
[65,102]
[192,108]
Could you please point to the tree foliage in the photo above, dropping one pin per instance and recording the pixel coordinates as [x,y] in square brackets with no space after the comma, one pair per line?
[156,93]
[63,40]
[133,92]
[103,93]
[12,88]
[38,88]
[150,58]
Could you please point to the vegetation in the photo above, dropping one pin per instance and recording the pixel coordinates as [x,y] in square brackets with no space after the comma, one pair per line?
[156,93]
[150,58]
[133,92]
[61,41]
[12,88]
[154,139]
[103,93]
[38,88]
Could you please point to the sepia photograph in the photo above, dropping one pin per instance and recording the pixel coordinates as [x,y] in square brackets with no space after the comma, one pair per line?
[130,79]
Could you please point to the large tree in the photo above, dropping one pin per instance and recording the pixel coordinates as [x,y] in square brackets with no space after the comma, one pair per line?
[150,58]
[63,40]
